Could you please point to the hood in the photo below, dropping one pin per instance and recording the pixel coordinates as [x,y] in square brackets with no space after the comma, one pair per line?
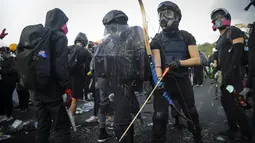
[81,37]
[55,19]
[31,35]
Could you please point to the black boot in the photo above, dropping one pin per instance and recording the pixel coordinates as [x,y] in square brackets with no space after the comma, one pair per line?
[197,137]
[104,136]
[159,128]
[128,138]
[177,122]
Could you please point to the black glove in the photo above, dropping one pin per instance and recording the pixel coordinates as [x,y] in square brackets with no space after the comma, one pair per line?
[174,64]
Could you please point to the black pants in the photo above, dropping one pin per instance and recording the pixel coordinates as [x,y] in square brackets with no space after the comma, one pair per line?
[96,96]
[235,114]
[124,107]
[46,112]
[23,95]
[6,104]
[180,90]
[198,75]
[86,87]
[174,113]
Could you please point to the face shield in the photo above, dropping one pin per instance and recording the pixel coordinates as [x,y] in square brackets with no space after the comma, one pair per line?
[114,28]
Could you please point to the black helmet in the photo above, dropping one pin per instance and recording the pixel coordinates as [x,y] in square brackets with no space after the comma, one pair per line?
[115,16]
[220,12]
[170,5]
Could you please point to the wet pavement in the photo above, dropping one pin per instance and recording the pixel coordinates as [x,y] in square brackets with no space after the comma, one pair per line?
[212,120]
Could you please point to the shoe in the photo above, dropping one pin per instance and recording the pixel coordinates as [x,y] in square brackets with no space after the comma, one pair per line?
[92,119]
[232,135]
[3,118]
[198,138]
[17,108]
[9,118]
[201,85]
[104,136]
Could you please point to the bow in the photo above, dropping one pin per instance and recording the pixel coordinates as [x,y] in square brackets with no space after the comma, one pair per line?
[156,81]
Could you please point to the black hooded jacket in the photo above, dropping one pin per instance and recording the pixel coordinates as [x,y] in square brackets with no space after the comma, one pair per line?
[55,19]
[78,73]
[83,55]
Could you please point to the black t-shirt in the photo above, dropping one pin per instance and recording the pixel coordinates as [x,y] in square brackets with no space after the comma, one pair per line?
[224,45]
[189,40]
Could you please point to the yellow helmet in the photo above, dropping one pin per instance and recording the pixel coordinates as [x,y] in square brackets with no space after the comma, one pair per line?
[13,47]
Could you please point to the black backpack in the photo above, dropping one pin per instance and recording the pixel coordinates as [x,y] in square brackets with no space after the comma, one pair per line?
[73,59]
[33,61]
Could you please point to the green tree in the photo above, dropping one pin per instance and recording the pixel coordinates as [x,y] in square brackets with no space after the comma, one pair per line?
[206,48]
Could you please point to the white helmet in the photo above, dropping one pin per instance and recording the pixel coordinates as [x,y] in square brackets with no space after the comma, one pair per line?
[214,50]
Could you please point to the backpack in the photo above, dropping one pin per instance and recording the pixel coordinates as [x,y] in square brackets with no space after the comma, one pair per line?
[33,61]
[72,59]
[245,55]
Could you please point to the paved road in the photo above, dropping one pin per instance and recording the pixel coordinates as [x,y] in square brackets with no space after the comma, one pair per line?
[211,117]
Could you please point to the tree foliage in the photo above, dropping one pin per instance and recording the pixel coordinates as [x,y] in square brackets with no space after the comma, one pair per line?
[206,48]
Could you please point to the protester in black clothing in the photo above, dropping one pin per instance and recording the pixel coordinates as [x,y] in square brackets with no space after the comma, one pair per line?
[93,86]
[230,47]
[49,102]
[8,79]
[79,61]
[176,49]
[119,60]
[250,85]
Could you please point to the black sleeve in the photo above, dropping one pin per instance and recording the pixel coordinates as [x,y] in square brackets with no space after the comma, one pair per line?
[235,33]
[155,42]
[88,59]
[189,38]
[215,55]
[235,63]
[62,72]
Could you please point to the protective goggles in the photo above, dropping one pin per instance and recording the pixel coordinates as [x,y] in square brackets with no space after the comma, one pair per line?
[169,14]
[218,17]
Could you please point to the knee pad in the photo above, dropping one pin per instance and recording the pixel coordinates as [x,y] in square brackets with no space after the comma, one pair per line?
[160,117]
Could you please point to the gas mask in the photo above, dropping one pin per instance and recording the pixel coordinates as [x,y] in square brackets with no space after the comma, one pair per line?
[220,23]
[64,29]
[168,20]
